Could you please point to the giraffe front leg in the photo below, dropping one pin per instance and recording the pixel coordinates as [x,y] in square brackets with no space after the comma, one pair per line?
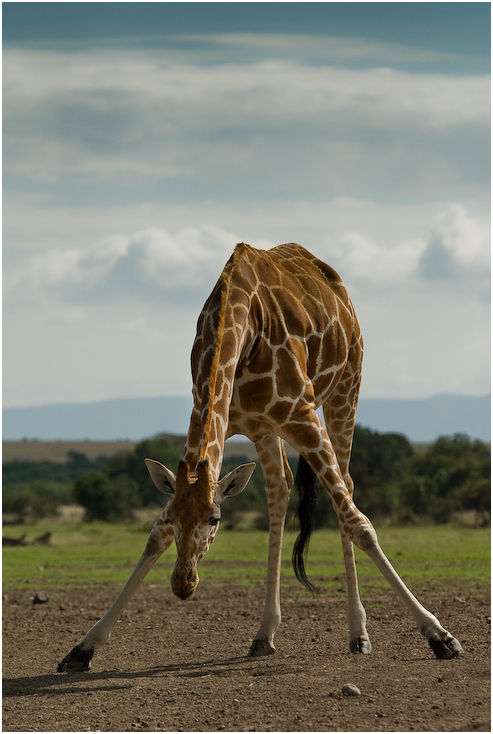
[263,643]
[277,486]
[79,658]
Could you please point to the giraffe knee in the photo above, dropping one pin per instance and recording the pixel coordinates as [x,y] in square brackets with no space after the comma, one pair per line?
[349,484]
[363,535]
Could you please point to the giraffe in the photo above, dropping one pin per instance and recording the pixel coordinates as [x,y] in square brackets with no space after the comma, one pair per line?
[277,339]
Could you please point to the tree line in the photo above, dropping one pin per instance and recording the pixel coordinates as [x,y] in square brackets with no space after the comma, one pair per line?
[395,482]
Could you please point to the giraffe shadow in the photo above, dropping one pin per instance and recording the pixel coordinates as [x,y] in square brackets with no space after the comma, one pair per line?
[66,683]
[113,680]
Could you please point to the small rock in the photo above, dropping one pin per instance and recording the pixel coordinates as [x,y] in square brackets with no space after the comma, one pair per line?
[351,690]
[41,597]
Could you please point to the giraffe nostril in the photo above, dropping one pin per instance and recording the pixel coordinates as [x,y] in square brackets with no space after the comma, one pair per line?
[190,576]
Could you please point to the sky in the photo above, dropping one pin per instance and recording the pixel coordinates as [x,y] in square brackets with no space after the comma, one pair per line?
[143,140]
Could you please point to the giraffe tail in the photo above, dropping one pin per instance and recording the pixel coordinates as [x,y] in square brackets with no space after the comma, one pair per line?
[306,483]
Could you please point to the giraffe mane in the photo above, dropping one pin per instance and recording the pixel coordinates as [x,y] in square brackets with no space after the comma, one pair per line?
[224,280]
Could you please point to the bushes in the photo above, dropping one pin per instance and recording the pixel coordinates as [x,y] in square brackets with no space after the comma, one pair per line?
[165,448]
[379,461]
[447,478]
[394,482]
[397,484]
[107,499]
[18,472]
[34,500]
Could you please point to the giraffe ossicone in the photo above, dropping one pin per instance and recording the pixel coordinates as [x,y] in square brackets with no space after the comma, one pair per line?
[277,339]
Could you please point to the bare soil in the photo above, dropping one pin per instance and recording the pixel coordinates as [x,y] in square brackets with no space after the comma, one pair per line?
[58,451]
[181,666]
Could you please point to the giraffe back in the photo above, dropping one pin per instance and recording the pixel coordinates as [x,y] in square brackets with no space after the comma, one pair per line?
[277,329]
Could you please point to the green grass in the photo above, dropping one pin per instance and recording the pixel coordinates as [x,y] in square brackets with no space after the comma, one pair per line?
[85,555]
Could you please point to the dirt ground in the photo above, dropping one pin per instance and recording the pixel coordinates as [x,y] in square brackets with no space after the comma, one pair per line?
[181,666]
[58,451]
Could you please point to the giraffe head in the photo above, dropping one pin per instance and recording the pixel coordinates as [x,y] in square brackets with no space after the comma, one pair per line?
[194,512]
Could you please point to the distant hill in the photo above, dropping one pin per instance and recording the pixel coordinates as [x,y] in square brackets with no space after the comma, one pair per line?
[425,420]
[138,418]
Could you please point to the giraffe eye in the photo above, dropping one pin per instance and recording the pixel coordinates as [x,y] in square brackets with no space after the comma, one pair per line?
[214,520]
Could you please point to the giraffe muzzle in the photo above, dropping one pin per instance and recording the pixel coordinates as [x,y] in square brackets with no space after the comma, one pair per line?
[184,582]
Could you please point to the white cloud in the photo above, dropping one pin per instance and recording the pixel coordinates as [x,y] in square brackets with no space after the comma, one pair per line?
[367,263]
[148,266]
[457,248]
[129,176]
[122,312]
[157,265]
[330,48]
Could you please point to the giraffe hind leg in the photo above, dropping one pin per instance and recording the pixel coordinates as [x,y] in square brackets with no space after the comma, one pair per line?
[358,529]
[339,414]
[359,641]
[362,534]
[76,661]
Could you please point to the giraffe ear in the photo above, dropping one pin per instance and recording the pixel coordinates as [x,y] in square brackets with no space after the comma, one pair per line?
[163,478]
[235,482]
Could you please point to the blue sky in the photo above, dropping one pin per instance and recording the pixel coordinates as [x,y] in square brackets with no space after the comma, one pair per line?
[458,29]
[142,140]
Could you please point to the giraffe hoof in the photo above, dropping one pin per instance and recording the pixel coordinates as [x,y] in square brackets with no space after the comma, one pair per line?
[359,645]
[76,661]
[261,647]
[446,649]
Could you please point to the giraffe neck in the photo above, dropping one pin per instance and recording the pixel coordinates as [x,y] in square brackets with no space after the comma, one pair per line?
[216,397]
[215,355]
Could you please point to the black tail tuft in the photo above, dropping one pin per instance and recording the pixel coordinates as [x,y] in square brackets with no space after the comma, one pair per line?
[306,482]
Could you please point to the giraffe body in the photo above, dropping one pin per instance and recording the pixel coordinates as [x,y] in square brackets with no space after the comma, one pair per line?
[277,339]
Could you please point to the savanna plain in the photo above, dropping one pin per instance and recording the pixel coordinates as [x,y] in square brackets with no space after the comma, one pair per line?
[182,666]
